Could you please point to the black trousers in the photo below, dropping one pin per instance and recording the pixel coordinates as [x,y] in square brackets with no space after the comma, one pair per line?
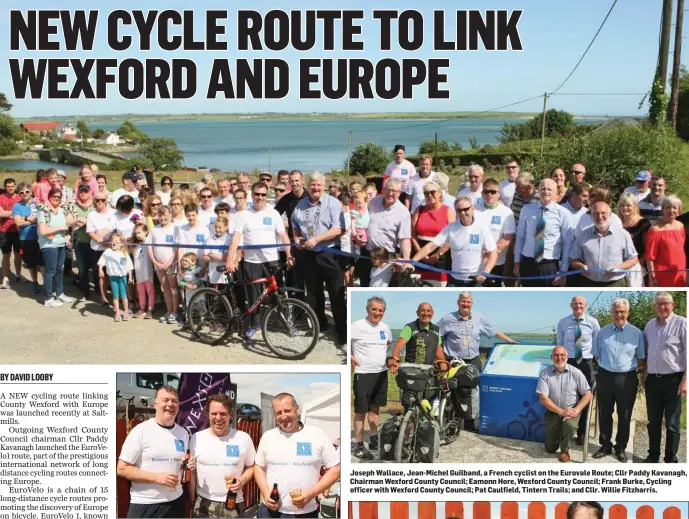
[662,400]
[362,268]
[454,282]
[317,268]
[586,282]
[616,390]
[498,270]
[528,267]
[586,367]
[255,271]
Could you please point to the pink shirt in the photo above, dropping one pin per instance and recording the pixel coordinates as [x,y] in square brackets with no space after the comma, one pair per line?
[93,184]
[40,191]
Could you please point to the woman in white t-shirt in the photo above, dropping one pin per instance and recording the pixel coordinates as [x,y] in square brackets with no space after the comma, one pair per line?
[99,226]
[162,256]
[164,194]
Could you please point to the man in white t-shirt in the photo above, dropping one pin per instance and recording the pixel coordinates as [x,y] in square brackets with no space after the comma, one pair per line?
[418,181]
[225,194]
[500,221]
[509,185]
[224,460]
[641,188]
[152,457]
[290,457]
[260,225]
[470,242]
[371,339]
[473,190]
[129,180]
[206,207]
[401,169]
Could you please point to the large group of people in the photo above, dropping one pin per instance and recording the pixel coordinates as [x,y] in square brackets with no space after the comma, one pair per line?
[293,465]
[620,350]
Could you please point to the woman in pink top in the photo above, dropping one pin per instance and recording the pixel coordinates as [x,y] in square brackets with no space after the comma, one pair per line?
[86,176]
[42,188]
[426,222]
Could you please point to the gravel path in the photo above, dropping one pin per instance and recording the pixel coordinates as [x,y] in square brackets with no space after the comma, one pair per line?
[85,333]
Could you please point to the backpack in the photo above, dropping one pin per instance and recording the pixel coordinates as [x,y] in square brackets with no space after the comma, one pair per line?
[413,377]
[467,376]
[427,442]
[387,437]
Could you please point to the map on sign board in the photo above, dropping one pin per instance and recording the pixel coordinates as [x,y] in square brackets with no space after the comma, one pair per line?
[518,360]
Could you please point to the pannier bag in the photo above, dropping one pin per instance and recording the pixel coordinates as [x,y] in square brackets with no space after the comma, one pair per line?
[387,437]
[427,442]
[413,377]
[467,376]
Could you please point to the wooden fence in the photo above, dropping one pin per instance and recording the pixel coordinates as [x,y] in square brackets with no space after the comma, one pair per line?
[487,510]
[251,492]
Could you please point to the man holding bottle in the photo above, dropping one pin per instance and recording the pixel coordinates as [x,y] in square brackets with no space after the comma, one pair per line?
[289,461]
[224,463]
[152,458]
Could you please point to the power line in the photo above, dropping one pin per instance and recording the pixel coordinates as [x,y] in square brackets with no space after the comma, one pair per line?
[587,48]
[601,94]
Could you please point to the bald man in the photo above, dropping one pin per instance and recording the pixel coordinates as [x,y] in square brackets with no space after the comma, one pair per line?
[564,392]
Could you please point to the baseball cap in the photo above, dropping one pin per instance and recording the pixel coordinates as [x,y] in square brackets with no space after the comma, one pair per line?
[398,147]
[131,175]
[83,188]
[61,173]
[265,174]
[643,176]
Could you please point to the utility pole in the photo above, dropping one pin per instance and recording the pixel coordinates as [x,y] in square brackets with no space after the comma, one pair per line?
[349,150]
[664,51]
[545,102]
[436,148]
[676,63]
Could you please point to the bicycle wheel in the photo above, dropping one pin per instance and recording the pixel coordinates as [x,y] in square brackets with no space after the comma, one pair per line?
[516,430]
[290,328]
[449,421]
[210,315]
[404,447]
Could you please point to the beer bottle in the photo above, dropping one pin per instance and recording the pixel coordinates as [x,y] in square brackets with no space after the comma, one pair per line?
[186,473]
[275,494]
[231,499]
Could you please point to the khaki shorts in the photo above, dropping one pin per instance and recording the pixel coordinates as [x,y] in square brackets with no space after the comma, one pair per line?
[206,508]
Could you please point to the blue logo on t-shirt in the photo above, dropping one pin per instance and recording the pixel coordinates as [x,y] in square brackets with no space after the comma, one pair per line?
[169,238]
[405,172]
[267,221]
[474,238]
[179,445]
[304,449]
[213,219]
[232,451]
[199,238]
[495,220]
[123,261]
[382,334]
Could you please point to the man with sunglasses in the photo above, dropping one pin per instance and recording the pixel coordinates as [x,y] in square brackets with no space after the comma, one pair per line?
[206,207]
[418,181]
[9,233]
[577,175]
[469,240]
[259,225]
[508,186]
[500,221]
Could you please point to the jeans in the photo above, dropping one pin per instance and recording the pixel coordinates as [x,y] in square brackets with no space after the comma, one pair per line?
[54,261]
[83,252]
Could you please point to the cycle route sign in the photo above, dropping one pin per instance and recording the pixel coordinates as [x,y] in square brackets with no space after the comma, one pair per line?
[509,406]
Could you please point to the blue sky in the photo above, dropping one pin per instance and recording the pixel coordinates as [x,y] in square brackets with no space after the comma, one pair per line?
[554,35]
[509,310]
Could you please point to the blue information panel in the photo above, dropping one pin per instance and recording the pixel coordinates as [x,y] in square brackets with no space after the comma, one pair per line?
[509,405]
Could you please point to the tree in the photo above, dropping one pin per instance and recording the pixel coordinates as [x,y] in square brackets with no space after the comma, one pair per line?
[429,148]
[473,143]
[98,133]
[164,154]
[83,129]
[683,105]
[5,106]
[368,158]
[557,123]
[130,132]
[641,307]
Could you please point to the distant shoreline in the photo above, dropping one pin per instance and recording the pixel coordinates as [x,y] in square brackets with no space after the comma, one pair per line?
[401,116]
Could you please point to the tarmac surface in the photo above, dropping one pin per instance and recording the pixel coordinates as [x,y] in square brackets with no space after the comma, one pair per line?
[85,333]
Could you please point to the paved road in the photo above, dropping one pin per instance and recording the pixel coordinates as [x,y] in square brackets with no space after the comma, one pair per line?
[85,333]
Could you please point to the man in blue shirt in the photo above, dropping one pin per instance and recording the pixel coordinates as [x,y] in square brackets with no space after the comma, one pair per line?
[619,350]
[577,333]
[461,334]
[318,220]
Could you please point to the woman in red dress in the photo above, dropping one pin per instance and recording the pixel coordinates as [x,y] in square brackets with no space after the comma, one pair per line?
[665,257]
[426,222]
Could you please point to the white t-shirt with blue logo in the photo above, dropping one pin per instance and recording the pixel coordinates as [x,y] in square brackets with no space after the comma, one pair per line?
[220,241]
[370,344]
[196,236]
[500,221]
[467,245]
[163,236]
[207,216]
[260,228]
[116,262]
[154,448]
[219,457]
[404,171]
[297,458]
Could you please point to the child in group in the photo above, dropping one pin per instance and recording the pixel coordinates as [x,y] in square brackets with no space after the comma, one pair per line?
[346,262]
[354,188]
[381,273]
[360,218]
[143,271]
[162,255]
[371,190]
[214,258]
[221,209]
[118,265]
[87,178]
[189,280]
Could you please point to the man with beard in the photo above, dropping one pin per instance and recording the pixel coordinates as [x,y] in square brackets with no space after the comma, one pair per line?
[224,460]
[318,221]
[151,458]
[290,456]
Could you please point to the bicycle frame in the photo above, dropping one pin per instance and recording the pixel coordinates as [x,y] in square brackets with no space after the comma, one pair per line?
[270,288]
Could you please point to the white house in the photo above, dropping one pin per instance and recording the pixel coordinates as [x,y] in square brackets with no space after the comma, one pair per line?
[112,139]
[67,132]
